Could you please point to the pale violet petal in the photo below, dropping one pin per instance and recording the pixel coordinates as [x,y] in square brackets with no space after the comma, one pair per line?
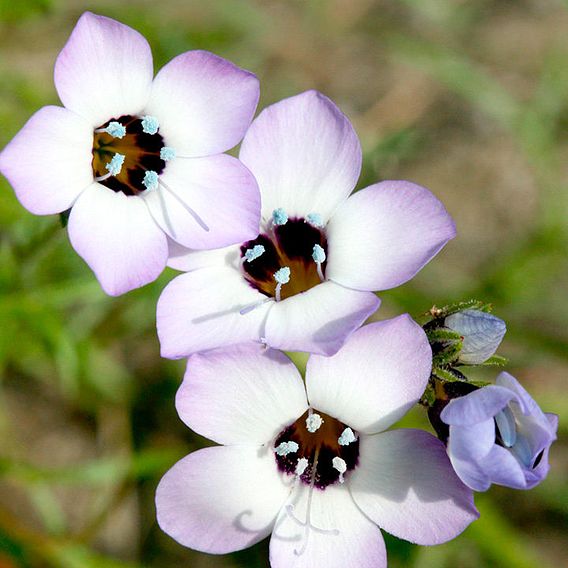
[304,154]
[48,162]
[378,375]
[117,238]
[104,71]
[319,320]
[204,102]
[243,394]
[221,499]
[384,234]
[406,485]
[339,535]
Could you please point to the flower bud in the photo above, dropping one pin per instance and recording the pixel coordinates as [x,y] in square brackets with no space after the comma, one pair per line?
[482,334]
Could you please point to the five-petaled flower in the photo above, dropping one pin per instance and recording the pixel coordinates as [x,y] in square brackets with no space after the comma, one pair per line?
[138,159]
[312,464]
[498,434]
[306,282]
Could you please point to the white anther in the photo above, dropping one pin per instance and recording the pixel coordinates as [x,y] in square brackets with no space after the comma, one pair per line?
[314,422]
[285,448]
[301,466]
[150,124]
[254,252]
[341,466]
[315,219]
[167,153]
[347,437]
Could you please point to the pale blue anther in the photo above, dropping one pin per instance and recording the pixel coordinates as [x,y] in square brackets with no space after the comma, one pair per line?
[115,129]
[254,252]
[507,428]
[286,448]
[150,124]
[315,219]
[167,154]
[282,276]
[522,450]
[115,165]
[319,254]
[279,216]
[347,437]
[150,180]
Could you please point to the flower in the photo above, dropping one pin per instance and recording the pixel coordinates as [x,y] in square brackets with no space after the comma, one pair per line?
[482,334]
[312,464]
[498,434]
[337,249]
[138,159]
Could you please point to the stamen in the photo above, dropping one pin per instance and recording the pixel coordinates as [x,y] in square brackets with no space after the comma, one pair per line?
[313,422]
[347,437]
[167,153]
[319,256]
[279,216]
[195,216]
[150,180]
[341,466]
[150,124]
[251,307]
[286,448]
[114,167]
[308,526]
[282,276]
[505,421]
[315,219]
[115,129]
[301,466]
[254,252]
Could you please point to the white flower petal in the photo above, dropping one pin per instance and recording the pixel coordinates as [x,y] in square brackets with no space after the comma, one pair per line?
[319,320]
[352,540]
[200,310]
[184,259]
[204,103]
[384,234]
[104,71]
[405,483]
[48,162]
[304,154]
[243,394]
[117,238]
[219,189]
[378,375]
[221,499]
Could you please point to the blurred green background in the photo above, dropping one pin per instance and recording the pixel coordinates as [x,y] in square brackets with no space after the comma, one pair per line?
[469,98]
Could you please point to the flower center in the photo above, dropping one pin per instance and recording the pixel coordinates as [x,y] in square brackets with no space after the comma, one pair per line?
[318,449]
[129,154]
[288,259]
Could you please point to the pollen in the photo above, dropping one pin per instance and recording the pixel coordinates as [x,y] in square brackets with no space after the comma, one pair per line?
[347,437]
[253,253]
[282,276]
[150,124]
[313,422]
[115,165]
[319,254]
[315,219]
[341,466]
[285,448]
[115,129]
[167,153]
[279,216]
[150,180]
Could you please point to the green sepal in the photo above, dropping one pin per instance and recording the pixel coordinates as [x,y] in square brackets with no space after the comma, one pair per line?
[448,355]
[441,334]
[495,361]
